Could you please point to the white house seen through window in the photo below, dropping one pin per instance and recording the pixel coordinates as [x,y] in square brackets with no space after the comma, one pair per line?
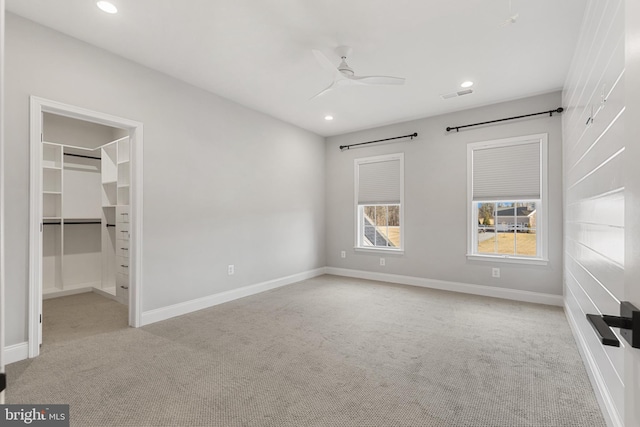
[379,193]
[507,198]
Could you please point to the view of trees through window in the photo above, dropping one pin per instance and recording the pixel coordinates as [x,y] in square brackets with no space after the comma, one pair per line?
[380,225]
[507,227]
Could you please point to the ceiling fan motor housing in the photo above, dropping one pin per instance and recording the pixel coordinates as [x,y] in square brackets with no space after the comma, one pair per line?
[343,52]
[344,68]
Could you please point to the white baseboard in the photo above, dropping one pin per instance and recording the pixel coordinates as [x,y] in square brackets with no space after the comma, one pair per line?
[70,290]
[105,292]
[467,288]
[65,293]
[600,389]
[16,352]
[174,310]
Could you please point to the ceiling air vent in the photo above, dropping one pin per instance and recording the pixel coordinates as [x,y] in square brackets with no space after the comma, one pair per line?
[456,94]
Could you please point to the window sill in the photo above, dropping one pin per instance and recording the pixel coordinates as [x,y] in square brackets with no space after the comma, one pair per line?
[507,259]
[379,250]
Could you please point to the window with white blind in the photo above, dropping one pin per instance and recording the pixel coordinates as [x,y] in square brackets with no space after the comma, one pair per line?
[507,200]
[379,188]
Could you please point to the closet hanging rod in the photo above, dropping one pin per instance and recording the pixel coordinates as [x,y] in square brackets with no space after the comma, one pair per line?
[82,222]
[72,222]
[82,155]
[413,135]
[550,113]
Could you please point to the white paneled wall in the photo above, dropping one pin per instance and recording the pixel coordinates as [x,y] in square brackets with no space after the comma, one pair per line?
[593,150]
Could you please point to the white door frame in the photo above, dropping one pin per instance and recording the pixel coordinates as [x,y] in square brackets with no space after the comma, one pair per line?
[39,106]
[631,203]
[2,264]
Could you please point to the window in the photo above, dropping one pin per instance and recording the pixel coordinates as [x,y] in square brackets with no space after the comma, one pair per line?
[379,185]
[507,199]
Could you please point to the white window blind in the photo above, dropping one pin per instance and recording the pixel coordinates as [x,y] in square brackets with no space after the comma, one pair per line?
[507,172]
[379,182]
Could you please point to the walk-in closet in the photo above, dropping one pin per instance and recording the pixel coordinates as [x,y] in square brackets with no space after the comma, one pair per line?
[85,208]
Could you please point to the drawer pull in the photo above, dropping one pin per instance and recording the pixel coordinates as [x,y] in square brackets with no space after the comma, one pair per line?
[125,249]
[125,266]
[124,287]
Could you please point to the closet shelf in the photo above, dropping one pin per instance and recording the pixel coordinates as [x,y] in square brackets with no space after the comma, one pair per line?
[55,168]
[75,147]
[109,182]
[52,192]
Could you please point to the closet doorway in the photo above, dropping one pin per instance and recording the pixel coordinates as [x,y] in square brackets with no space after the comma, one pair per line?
[86,193]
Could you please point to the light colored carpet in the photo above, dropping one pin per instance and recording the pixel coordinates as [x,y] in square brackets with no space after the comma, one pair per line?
[328,351]
[79,316]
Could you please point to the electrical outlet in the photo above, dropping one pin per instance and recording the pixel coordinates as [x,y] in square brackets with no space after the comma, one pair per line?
[495,272]
[343,254]
[231,269]
[382,261]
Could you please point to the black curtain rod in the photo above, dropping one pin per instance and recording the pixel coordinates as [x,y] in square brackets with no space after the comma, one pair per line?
[413,135]
[550,113]
[82,155]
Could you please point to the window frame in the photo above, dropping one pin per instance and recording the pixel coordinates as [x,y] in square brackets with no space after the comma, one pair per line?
[357,211]
[542,214]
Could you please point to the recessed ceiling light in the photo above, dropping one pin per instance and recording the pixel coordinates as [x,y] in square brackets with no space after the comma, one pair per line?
[467,84]
[328,118]
[105,6]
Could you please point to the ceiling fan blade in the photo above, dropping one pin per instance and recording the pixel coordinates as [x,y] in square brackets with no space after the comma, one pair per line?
[511,20]
[324,61]
[323,91]
[378,80]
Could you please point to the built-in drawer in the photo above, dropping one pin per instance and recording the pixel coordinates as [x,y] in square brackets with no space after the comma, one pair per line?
[122,213]
[122,248]
[122,296]
[122,288]
[122,280]
[122,230]
[122,264]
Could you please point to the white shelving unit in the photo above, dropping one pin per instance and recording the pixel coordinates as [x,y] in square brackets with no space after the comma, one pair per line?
[115,214]
[85,206]
[52,230]
[122,221]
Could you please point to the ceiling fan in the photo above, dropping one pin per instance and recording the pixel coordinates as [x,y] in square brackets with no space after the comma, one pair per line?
[512,17]
[344,75]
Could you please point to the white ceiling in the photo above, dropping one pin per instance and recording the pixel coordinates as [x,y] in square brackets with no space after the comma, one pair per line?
[258,52]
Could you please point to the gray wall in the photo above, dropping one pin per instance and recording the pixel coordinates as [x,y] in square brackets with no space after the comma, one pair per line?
[594,186]
[222,184]
[436,197]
